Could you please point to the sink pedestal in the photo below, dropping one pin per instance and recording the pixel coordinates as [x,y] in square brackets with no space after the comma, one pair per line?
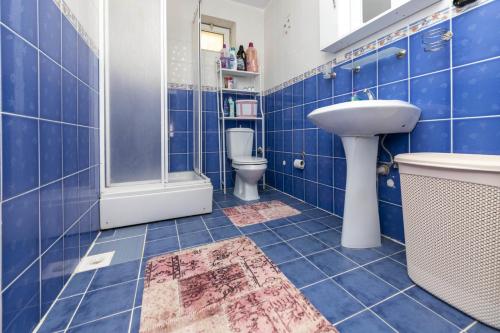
[358,123]
[361,227]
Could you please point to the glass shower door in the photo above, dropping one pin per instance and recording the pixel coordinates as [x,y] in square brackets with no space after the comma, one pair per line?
[138,187]
[197,92]
[134,84]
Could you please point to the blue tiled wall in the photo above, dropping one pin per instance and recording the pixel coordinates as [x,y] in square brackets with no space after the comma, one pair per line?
[181,139]
[180,110]
[50,156]
[457,88]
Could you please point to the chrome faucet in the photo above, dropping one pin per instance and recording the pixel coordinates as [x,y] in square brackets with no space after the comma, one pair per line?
[369,93]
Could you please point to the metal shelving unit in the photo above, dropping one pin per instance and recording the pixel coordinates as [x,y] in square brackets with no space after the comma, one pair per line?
[253,94]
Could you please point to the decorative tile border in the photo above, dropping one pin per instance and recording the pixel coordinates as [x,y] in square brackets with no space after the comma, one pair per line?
[457,11]
[339,59]
[329,65]
[185,86]
[433,19]
[208,88]
[66,11]
[182,86]
[310,73]
[392,37]
[371,46]
[410,29]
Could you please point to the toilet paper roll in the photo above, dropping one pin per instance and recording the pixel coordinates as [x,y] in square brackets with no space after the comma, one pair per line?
[299,164]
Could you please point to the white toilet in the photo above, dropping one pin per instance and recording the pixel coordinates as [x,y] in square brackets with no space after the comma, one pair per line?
[249,169]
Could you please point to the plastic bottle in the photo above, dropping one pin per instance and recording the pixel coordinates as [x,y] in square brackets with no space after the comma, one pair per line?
[252,61]
[241,59]
[224,55]
[231,107]
[226,108]
[232,59]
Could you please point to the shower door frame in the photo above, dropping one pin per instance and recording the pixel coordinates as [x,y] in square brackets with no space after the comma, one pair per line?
[132,203]
[104,102]
[197,91]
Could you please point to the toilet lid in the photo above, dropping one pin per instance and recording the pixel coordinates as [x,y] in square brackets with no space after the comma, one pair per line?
[249,160]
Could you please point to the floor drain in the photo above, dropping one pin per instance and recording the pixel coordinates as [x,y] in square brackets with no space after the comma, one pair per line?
[94,262]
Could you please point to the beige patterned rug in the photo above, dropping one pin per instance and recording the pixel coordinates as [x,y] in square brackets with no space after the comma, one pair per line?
[229,286]
[259,212]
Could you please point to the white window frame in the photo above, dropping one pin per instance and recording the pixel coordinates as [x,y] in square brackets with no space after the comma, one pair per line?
[225,32]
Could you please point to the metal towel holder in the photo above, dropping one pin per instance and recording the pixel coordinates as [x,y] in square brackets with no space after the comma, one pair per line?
[436,39]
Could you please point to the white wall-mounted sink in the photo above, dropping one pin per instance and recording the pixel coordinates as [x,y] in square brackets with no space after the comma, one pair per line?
[366,118]
[358,123]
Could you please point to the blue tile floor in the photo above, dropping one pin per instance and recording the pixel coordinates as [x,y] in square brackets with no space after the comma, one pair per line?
[357,290]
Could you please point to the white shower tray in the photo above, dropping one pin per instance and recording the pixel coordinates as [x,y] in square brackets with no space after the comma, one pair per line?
[185,194]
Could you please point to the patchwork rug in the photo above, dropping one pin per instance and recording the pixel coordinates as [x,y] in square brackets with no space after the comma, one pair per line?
[229,286]
[259,212]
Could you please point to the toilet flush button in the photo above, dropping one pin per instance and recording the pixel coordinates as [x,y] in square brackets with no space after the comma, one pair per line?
[284,162]
[390,183]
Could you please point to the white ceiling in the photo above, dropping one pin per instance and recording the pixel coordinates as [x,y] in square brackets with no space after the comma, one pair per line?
[255,3]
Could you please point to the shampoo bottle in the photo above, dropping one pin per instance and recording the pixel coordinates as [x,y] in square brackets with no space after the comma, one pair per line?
[224,54]
[252,61]
[241,59]
[232,59]
[226,108]
[231,107]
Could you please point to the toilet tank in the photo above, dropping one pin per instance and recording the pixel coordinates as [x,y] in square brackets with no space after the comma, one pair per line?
[239,142]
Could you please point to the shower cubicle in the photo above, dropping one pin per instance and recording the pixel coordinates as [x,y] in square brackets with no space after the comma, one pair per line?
[136,185]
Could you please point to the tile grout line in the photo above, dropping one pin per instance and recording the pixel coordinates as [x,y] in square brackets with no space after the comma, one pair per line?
[329,247]
[452,103]
[37,48]
[370,307]
[101,318]
[355,298]
[80,302]
[332,213]
[39,157]
[431,310]
[466,329]
[58,297]
[386,256]
[206,228]
[329,278]
[382,319]
[62,186]
[117,239]
[49,183]
[1,193]
[358,266]
[18,314]
[177,234]
[100,288]
[408,44]
[314,207]
[451,67]
[406,27]
[138,278]
[50,247]
[203,222]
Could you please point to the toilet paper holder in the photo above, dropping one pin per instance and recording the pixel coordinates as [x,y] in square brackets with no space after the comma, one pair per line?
[300,163]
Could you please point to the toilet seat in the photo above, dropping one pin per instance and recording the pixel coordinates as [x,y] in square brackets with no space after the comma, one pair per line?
[249,160]
[249,171]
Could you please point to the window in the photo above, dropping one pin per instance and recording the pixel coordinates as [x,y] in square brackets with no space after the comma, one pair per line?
[211,41]
[213,37]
